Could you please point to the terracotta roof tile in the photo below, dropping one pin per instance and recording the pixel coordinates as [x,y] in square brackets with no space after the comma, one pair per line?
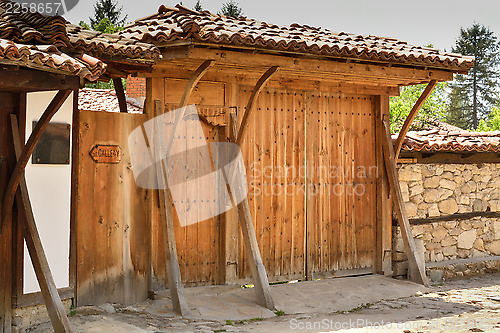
[32,28]
[38,29]
[98,44]
[48,57]
[174,24]
[447,138]
[104,100]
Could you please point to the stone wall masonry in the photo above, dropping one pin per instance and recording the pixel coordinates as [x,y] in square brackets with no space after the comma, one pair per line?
[432,190]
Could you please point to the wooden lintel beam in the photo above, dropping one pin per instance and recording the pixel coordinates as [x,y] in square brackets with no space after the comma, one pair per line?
[8,200]
[253,97]
[415,263]
[411,116]
[120,93]
[319,67]
[15,79]
[53,302]
[193,81]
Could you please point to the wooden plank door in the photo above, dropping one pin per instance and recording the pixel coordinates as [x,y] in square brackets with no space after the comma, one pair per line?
[340,154]
[198,244]
[110,227]
[274,158]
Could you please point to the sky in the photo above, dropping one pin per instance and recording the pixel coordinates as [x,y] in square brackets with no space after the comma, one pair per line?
[418,22]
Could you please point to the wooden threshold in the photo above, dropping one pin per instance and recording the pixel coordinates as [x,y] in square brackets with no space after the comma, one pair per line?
[36,298]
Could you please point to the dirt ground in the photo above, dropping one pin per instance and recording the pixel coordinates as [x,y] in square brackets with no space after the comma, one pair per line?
[363,304]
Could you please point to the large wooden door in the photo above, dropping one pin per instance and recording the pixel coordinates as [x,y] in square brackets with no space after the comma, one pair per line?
[199,244]
[273,150]
[110,227]
[341,171]
[311,171]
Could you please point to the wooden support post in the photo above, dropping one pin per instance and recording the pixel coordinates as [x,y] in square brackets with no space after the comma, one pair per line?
[175,286]
[383,258]
[6,273]
[416,264]
[120,93]
[55,308]
[253,97]
[8,200]
[259,275]
[411,116]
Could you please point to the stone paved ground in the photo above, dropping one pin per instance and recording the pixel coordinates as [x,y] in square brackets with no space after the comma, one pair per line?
[468,305]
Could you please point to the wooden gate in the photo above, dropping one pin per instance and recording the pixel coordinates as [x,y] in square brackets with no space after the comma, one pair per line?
[341,173]
[110,227]
[311,170]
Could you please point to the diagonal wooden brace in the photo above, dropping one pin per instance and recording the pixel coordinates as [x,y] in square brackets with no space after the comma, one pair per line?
[415,263]
[411,116]
[259,275]
[55,308]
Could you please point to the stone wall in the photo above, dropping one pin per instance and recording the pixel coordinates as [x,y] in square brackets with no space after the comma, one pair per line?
[432,190]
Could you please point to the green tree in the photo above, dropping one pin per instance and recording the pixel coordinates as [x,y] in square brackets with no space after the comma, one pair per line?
[105,84]
[231,9]
[107,9]
[492,123]
[84,25]
[107,27]
[473,95]
[197,6]
[433,108]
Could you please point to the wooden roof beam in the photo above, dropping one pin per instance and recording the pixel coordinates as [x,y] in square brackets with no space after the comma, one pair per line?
[411,116]
[404,75]
[18,79]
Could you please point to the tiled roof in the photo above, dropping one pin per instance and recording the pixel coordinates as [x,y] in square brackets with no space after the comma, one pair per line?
[37,29]
[103,100]
[171,25]
[48,57]
[98,43]
[448,138]
[32,28]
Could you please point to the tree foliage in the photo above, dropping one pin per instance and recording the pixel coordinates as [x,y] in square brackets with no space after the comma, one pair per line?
[198,6]
[492,123]
[231,9]
[433,108]
[105,85]
[107,9]
[107,27]
[473,95]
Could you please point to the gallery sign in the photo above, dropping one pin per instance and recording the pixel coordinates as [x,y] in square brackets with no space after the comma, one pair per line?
[106,154]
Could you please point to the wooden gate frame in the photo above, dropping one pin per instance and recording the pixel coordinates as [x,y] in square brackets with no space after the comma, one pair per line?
[261,282]
[17,188]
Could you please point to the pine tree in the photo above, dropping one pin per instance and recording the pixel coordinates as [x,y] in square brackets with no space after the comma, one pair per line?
[473,95]
[231,9]
[107,9]
[198,7]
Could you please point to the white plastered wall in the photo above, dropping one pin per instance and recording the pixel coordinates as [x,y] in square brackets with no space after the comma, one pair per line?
[49,187]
